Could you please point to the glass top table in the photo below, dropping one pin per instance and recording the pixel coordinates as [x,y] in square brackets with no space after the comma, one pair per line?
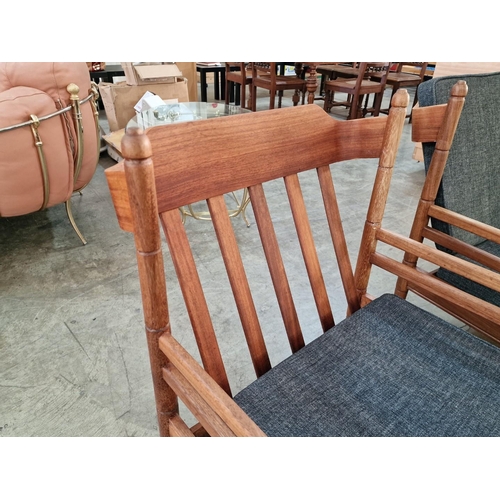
[183,112]
[170,114]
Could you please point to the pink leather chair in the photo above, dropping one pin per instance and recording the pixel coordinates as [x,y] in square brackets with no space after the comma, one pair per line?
[49,135]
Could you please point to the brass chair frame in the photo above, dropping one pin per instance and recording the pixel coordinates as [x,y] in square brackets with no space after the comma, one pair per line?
[75,110]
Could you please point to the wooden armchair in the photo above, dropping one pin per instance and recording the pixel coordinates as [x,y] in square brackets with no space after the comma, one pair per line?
[265,75]
[459,209]
[358,89]
[389,368]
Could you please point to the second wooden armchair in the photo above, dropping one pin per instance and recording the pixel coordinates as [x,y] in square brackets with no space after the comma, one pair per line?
[265,75]
[389,369]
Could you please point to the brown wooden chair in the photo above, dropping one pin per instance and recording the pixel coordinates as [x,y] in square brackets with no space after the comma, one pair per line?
[459,208]
[389,368]
[265,75]
[359,89]
[238,76]
[404,77]
[329,72]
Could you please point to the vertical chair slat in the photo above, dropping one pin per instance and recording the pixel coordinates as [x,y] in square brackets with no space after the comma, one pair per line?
[338,237]
[194,297]
[276,266]
[239,284]
[309,253]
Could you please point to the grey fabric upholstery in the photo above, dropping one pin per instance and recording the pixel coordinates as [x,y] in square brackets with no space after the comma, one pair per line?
[471,181]
[390,369]
[487,294]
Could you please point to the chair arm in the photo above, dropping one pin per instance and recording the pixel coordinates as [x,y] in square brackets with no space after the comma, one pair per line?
[206,394]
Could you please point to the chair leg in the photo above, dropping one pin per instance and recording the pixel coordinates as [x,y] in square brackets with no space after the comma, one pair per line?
[237,94]
[228,91]
[72,221]
[253,98]
[377,104]
[280,98]
[249,105]
[356,111]
[327,106]
[296,97]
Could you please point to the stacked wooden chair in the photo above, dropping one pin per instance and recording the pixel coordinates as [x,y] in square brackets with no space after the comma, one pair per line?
[389,368]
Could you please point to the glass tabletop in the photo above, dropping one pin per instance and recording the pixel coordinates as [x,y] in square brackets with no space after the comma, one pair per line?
[183,112]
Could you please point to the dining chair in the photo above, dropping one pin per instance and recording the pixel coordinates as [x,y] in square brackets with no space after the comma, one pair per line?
[389,368]
[356,89]
[402,77]
[238,76]
[459,208]
[328,72]
[265,75]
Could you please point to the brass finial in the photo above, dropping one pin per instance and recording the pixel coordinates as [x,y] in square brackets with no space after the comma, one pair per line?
[73,90]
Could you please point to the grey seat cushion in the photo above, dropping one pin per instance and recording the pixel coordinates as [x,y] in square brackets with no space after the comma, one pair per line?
[390,369]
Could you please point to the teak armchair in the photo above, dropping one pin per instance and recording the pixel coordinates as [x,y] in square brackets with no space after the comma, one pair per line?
[459,210]
[265,75]
[389,368]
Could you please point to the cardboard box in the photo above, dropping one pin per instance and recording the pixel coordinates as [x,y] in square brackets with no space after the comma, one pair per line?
[119,99]
[114,140]
[189,71]
[146,73]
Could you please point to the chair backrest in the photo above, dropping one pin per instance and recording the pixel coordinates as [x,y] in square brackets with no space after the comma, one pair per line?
[232,153]
[269,69]
[471,180]
[237,71]
[379,69]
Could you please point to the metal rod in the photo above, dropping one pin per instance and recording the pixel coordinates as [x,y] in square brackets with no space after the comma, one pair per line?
[46,117]
[35,123]
[77,115]
[72,220]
